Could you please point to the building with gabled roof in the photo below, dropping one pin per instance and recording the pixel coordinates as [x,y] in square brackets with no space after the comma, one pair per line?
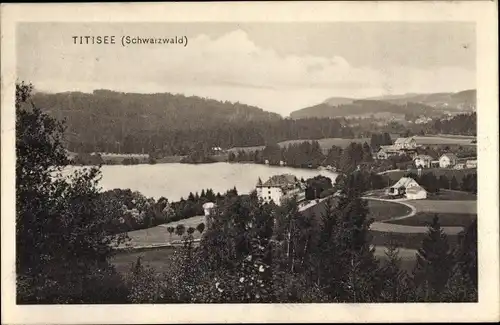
[401,186]
[405,143]
[280,187]
[423,161]
[448,160]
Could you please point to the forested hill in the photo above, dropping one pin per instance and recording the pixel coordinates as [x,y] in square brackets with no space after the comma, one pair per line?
[407,104]
[170,124]
[363,107]
[104,109]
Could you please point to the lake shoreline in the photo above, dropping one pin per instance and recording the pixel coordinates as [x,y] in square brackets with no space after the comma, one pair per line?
[176,181]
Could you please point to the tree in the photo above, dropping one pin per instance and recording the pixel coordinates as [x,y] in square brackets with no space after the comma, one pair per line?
[63,243]
[180,230]
[367,153]
[191,230]
[462,285]
[444,182]
[434,263]
[200,228]
[144,285]
[170,231]
[345,262]
[395,288]
[454,183]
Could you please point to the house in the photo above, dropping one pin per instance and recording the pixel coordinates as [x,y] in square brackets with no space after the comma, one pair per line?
[402,146]
[416,193]
[405,143]
[472,163]
[423,161]
[401,186]
[447,160]
[280,187]
[387,151]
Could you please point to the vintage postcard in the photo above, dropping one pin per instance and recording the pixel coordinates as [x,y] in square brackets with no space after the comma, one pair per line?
[250,162]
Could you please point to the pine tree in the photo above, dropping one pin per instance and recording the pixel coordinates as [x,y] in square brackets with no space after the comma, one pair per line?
[434,263]
[347,268]
[395,287]
[454,183]
[367,153]
[462,285]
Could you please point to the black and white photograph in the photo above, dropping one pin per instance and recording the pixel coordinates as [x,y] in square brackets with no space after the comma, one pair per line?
[240,162]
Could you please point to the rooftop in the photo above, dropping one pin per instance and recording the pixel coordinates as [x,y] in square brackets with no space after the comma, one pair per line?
[415,189]
[404,140]
[425,157]
[284,180]
[403,182]
[450,156]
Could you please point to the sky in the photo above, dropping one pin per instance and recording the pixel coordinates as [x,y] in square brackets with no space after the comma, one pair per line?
[279,67]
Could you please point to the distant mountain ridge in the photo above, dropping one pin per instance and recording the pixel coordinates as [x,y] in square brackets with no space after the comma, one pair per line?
[415,104]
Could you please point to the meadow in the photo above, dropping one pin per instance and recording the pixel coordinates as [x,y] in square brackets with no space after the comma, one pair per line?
[423,219]
[327,143]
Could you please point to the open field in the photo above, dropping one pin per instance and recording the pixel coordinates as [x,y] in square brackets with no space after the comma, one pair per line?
[327,143]
[449,195]
[159,235]
[379,210]
[406,240]
[445,140]
[436,206]
[382,210]
[157,258]
[160,258]
[423,219]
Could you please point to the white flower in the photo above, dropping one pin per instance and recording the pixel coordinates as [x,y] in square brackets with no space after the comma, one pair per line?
[261,268]
[249,258]
[242,279]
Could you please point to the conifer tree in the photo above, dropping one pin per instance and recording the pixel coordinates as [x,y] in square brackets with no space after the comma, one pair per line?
[395,280]
[434,263]
[462,285]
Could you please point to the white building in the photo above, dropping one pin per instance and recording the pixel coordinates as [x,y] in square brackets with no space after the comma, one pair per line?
[471,163]
[447,160]
[423,161]
[280,187]
[402,186]
[416,193]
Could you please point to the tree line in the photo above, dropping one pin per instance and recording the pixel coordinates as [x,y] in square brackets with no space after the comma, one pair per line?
[307,154]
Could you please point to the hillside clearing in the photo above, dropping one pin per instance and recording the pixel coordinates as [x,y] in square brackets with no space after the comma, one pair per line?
[436,206]
[423,219]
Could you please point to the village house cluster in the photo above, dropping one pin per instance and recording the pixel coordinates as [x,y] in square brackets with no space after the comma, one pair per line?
[408,146]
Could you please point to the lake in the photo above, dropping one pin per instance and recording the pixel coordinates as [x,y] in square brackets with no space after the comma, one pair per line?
[175,180]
